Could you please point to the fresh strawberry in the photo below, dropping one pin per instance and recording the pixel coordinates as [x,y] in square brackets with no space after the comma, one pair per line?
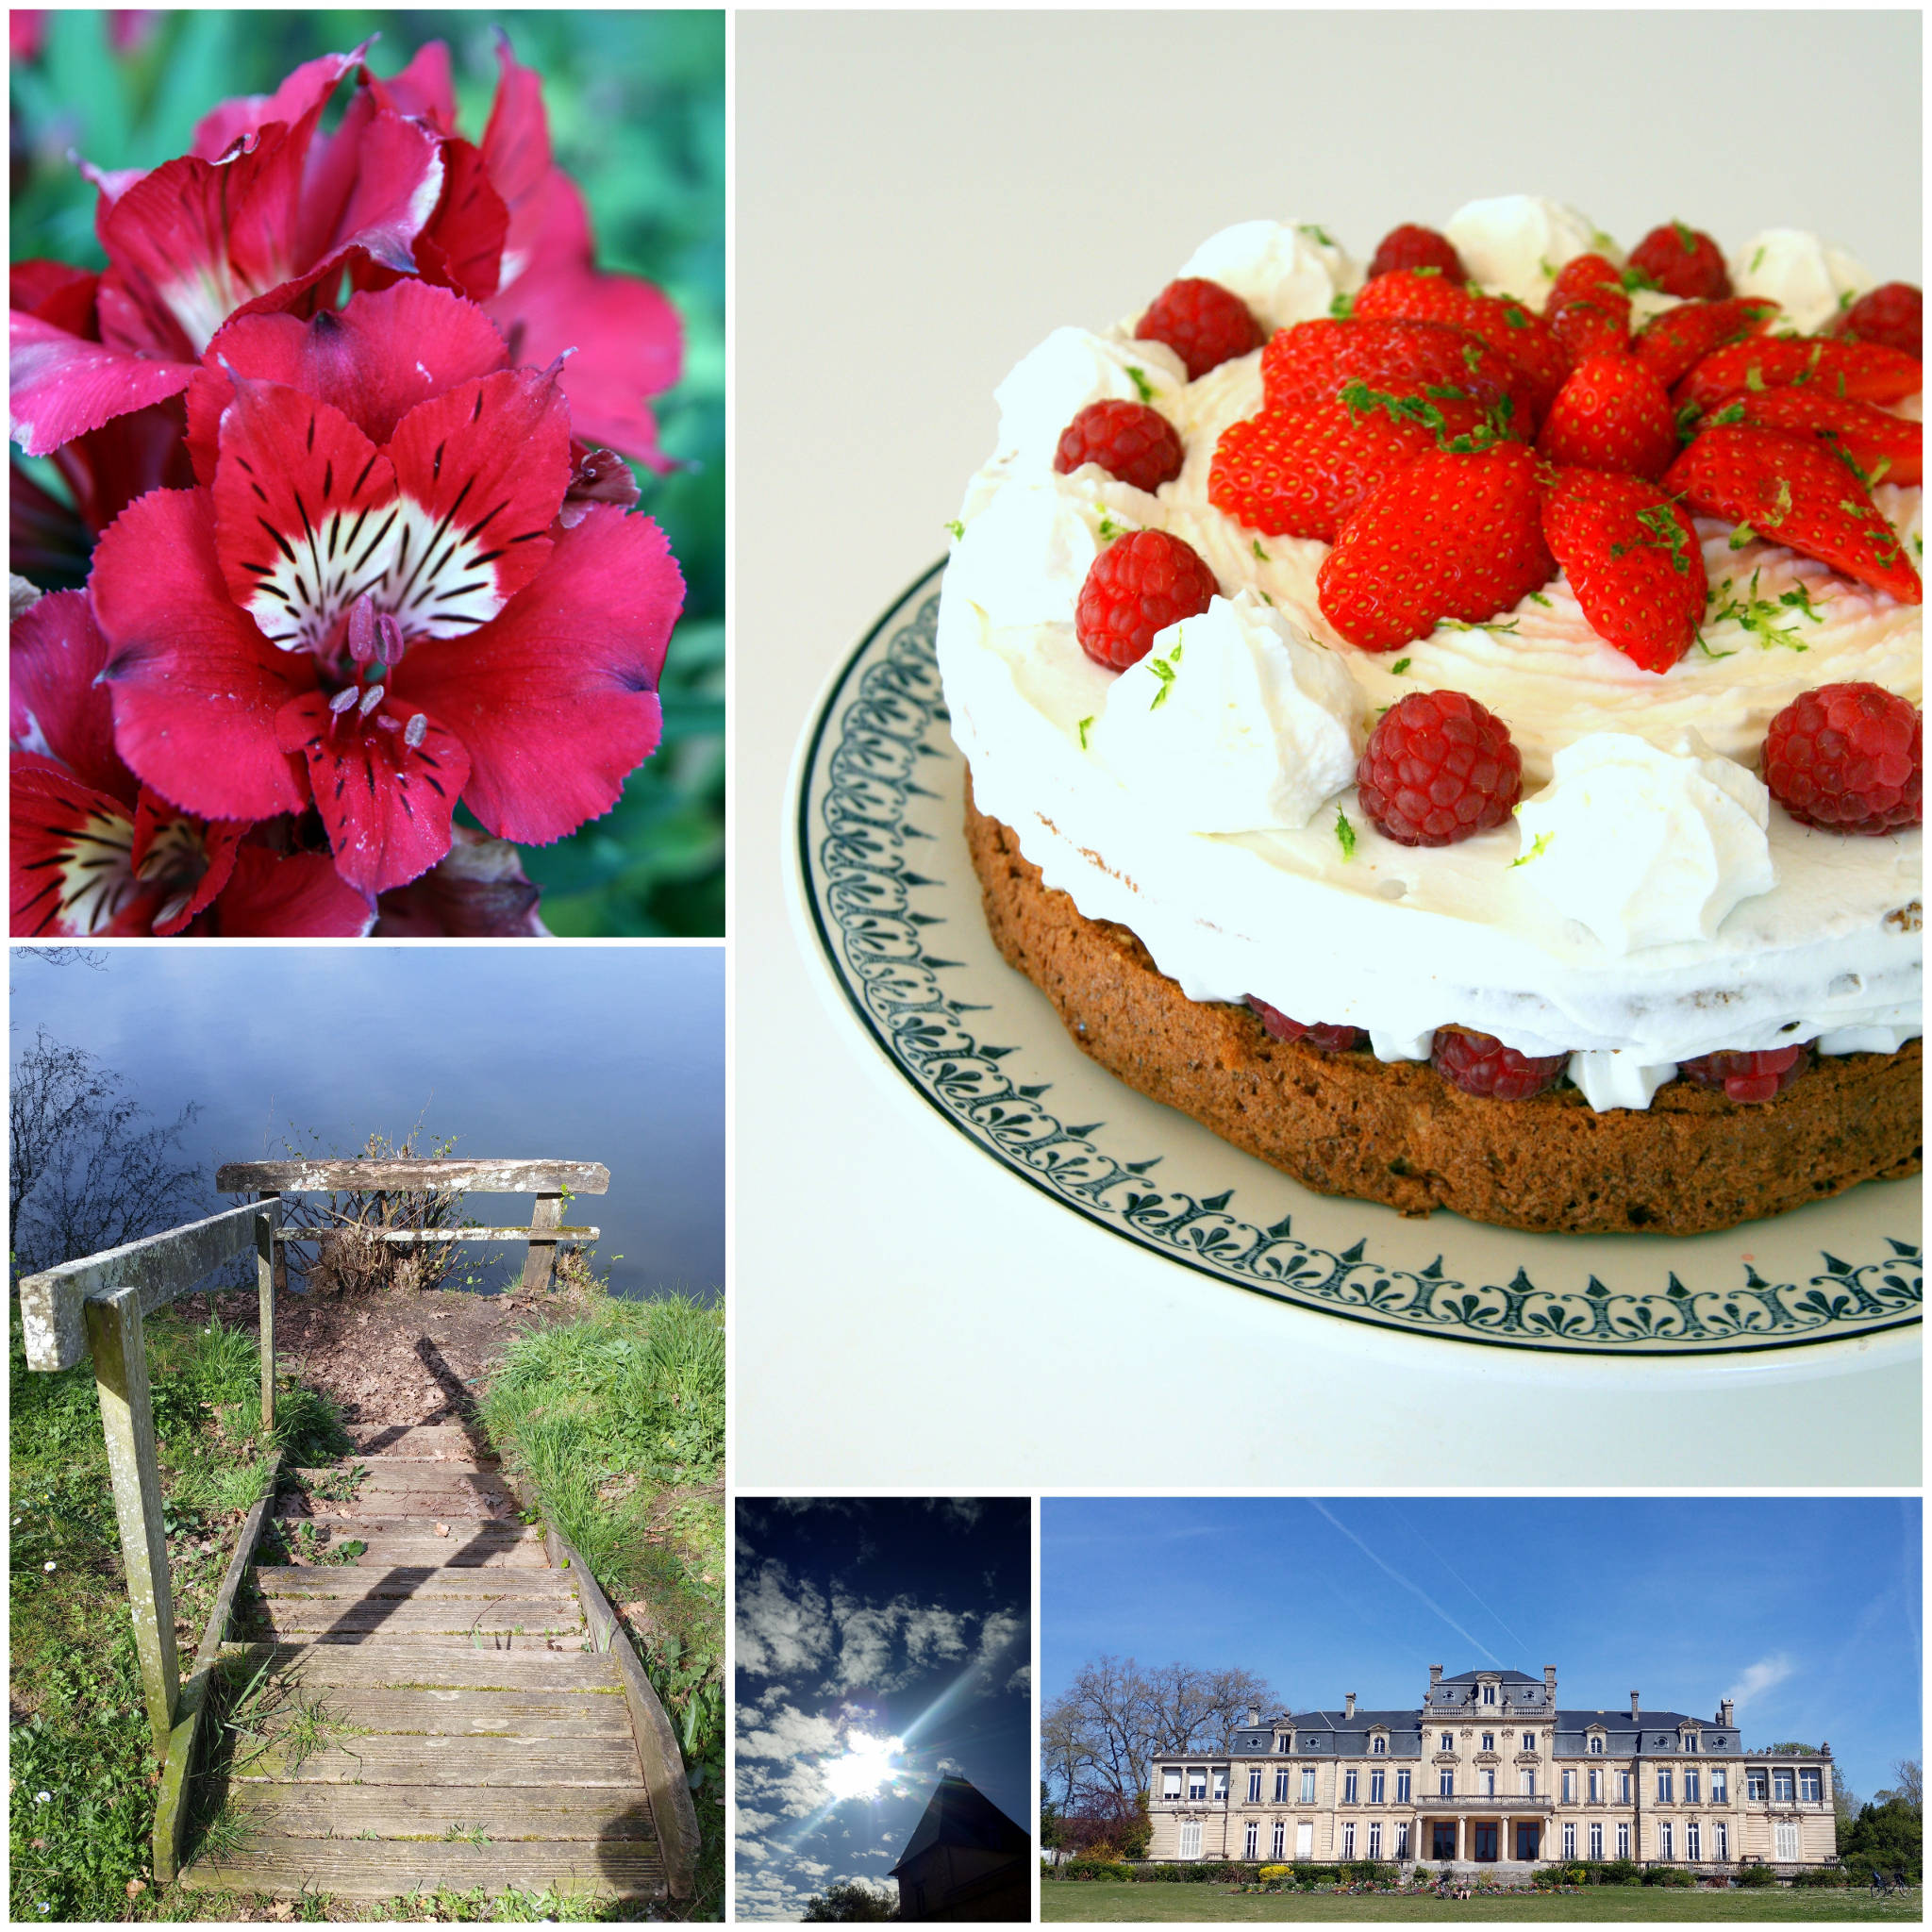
[1454,535]
[1310,362]
[1892,313]
[1672,344]
[1612,414]
[1632,557]
[1791,491]
[1587,311]
[1866,372]
[1683,261]
[1882,448]
[1301,470]
[1507,327]
[1414,247]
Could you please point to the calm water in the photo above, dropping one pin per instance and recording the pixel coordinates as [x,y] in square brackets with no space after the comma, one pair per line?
[563,1051]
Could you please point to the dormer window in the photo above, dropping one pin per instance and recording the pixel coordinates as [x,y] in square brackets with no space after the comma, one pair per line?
[1488,1693]
[1596,1745]
[1378,1744]
[1284,1746]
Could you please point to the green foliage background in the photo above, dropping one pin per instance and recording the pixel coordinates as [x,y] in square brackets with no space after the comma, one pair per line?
[637,116]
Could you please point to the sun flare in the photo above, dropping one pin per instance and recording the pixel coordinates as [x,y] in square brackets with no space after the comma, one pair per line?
[868,1763]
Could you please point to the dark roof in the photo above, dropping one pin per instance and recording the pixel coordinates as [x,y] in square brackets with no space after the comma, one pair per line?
[1622,1720]
[1504,1676]
[960,1814]
[1361,1720]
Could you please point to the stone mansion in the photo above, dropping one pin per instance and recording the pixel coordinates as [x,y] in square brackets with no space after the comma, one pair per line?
[1488,1771]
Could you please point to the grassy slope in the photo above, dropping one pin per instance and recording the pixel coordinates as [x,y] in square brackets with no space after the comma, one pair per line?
[1208,1904]
[617,1421]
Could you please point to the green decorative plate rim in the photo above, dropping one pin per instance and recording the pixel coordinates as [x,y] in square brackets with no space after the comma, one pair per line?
[874,759]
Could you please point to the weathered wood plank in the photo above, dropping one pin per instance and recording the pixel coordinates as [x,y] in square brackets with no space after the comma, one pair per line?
[503,1814]
[377,1472]
[265,1228]
[415,1237]
[369,1868]
[492,1532]
[541,1257]
[385,1176]
[435,1640]
[461,1713]
[158,1268]
[454,1553]
[423,1666]
[415,1438]
[452,1616]
[384,1759]
[357,1582]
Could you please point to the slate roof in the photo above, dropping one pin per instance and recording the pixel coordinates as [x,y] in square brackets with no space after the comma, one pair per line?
[1622,1720]
[1361,1720]
[960,1814]
[1505,1676]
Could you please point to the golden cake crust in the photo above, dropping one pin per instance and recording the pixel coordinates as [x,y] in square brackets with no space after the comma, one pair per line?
[1398,1133]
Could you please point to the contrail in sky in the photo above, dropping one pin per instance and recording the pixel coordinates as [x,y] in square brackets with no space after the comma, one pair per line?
[1465,1583]
[1414,1589]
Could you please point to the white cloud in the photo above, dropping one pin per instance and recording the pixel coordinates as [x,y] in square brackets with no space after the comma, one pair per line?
[1022,1680]
[782,1626]
[1765,1674]
[964,1511]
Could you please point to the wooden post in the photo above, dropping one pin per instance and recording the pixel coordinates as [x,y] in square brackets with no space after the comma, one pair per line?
[118,1344]
[541,1255]
[265,1288]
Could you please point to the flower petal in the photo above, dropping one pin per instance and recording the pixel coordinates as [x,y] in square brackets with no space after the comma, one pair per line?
[477,890]
[306,516]
[55,707]
[516,149]
[386,802]
[304,92]
[59,384]
[195,685]
[463,245]
[69,851]
[56,292]
[556,701]
[183,861]
[373,187]
[285,895]
[109,467]
[422,90]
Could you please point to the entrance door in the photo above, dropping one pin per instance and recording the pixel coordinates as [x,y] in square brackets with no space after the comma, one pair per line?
[1527,1837]
[1484,1852]
[1444,1841]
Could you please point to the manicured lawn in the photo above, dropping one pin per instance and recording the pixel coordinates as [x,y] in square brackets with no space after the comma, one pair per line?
[1211,1904]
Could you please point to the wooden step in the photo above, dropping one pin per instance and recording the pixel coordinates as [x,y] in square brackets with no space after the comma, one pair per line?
[405,1666]
[380,1476]
[420,1526]
[461,1713]
[303,1617]
[359,1582]
[479,1640]
[504,1814]
[370,1868]
[388,1439]
[382,1757]
[457,1507]
[438,1552]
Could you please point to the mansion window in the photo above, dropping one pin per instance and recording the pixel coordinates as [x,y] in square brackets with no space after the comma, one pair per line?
[1190,1840]
[1529,1740]
[1596,1747]
[1489,1696]
[1378,1746]
[1622,1840]
[1719,1785]
[1307,1784]
[1448,1742]
[1623,1791]
[1782,1783]
[1221,1785]
[1402,1841]
[1375,1839]
[1596,1788]
[1691,1741]
[1488,1740]
[1787,1844]
[1757,1785]
[1280,1836]
[1811,1786]
[1255,1785]
[1348,1839]
[1348,1788]
[1529,1784]
[1284,1745]
[1376,1780]
[1170,1784]
[1251,1848]
[1569,1840]
[1446,1785]
[1569,1788]
[1197,1785]
[1694,1781]
[1693,1842]
[1281,1783]
[1663,1785]
[1596,1841]
[1402,1788]
[1488,1778]
[1720,1832]
[1663,1839]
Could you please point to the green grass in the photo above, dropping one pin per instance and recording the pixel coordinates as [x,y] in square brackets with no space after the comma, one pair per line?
[616,1420]
[80,1734]
[1210,1904]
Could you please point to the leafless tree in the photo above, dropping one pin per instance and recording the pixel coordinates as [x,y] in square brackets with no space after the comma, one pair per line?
[1908,1782]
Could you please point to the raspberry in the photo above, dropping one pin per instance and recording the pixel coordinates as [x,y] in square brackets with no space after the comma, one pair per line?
[1204,324]
[1892,314]
[1139,585]
[1127,439]
[1749,1076]
[1439,768]
[1479,1063]
[1683,261]
[1848,758]
[1324,1038]
[1412,246]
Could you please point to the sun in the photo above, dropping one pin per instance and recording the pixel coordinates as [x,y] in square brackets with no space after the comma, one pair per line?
[868,1763]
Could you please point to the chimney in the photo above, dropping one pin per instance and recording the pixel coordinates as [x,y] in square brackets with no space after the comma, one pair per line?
[1724,1713]
[1435,1675]
[1253,1717]
[1348,1710]
[1550,1678]
[1634,1710]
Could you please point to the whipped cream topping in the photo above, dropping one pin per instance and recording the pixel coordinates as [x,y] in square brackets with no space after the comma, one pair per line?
[1286,272]
[1647,845]
[1070,369]
[1809,278]
[1517,244]
[1234,722]
[1397,940]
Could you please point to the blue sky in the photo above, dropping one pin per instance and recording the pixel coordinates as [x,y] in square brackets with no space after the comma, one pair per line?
[1805,1611]
[882,1643]
[613,1054]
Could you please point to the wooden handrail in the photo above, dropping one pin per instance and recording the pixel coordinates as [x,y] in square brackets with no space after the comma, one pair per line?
[391,1176]
[562,1236]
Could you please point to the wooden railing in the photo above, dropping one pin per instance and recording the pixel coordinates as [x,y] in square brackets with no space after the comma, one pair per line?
[97,1307]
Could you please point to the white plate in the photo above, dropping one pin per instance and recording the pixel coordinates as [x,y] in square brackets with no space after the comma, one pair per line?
[893,910]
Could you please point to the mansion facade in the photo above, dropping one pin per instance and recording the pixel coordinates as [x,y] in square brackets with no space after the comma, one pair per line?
[1488,1771]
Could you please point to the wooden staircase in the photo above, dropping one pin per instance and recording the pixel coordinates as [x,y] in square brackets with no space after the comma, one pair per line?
[429,1711]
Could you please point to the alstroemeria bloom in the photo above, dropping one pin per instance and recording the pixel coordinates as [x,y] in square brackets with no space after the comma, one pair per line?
[93,853]
[373,603]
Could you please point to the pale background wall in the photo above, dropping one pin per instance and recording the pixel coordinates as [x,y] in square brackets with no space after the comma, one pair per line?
[920,197]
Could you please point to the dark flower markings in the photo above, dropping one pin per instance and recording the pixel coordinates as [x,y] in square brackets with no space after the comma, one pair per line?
[867,860]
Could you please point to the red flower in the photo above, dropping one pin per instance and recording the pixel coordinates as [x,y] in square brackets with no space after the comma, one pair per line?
[94,852]
[374,605]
